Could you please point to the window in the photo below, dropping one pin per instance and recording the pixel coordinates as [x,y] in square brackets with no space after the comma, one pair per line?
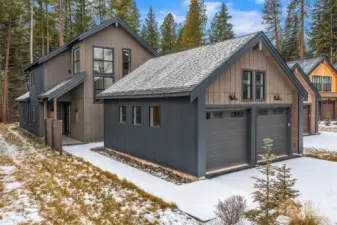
[214,115]
[277,111]
[326,83]
[32,79]
[126,61]
[263,112]
[76,61]
[317,82]
[103,68]
[155,116]
[237,114]
[33,114]
[247,85]
[122,114]
[260,85]
[136,115]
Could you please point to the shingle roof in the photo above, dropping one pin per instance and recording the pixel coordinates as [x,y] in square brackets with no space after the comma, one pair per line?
[308,65]
[90,32]
[178,72]
[63,87]
[23,98]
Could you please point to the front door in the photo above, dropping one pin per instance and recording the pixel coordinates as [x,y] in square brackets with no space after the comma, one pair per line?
[66,121]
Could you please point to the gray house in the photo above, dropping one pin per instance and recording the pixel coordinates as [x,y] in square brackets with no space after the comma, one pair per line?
[207,110]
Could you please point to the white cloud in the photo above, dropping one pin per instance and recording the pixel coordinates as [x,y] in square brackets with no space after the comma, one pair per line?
[212,8]
[259,1]
[177,18]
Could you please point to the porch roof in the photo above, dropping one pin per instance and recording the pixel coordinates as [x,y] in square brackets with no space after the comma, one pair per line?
[63,87]
[23,98]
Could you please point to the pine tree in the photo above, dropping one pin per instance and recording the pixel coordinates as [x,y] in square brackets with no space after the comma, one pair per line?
[169,35]
[133,16]
[284,185]
[149,30]
[221,29]
[193,33]
[265,194]
[271,17]
[180,30]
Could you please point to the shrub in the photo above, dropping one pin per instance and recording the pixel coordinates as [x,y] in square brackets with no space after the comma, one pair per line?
[327,121]
[231,211]
[307,217]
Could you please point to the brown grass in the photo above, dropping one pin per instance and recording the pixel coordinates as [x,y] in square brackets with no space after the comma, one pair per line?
[307,216]
[320,154]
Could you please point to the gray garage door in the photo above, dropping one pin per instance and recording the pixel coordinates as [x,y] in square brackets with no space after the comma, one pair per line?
[273,123]
[226,139]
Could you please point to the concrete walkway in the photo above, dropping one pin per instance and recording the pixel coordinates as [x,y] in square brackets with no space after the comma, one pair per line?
[316,182]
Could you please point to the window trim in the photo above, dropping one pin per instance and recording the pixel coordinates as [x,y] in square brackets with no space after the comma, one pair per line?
[119,114]
[264,85]
[133,114]
[150,107]
[78,61]
[128,49]
[252,85]
[320,84]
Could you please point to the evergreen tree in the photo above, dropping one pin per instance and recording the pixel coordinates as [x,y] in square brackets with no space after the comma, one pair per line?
[196,19]
[284,184]
[169,35]
[149,30]
[271,17]
[180,30]
[265,195]
[133,16]
[291,41]
[221,29]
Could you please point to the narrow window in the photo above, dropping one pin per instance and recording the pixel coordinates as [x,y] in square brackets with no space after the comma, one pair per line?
[277,111]
[122,114]
[76,61]
[136,115]
[126,61]
[317,82]
[32,79]
[263,112]
[247,85]
[326,83]
[155,116]
[260,85]
[237,114]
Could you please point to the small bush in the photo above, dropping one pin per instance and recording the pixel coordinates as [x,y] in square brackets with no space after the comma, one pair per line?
[231,211]
[308,216]
[327,121]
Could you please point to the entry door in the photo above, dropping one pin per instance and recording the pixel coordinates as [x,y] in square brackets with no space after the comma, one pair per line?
[66,122]
[327,110]
[306,118]
[273,123]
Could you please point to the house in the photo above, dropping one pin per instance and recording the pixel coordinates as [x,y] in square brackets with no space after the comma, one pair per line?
[207,110]
[311,105]
[64,84]
[323,75]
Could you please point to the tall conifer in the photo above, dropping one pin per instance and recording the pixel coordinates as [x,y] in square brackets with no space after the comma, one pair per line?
[272,18]
[149,30]
[168,34]
[221,29]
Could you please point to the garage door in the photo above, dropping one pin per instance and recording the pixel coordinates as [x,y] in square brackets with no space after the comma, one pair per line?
[306,109]
[327,110]
[272,123]
[226,139]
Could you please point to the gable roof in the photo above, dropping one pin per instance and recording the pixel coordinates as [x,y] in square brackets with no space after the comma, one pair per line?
[295,65]
[190,72]
[91,32]
[63,87]
[308,65]
[23,98]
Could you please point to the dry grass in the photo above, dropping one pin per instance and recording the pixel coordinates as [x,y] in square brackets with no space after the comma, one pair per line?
[69,190]
[307,216]
[320,154]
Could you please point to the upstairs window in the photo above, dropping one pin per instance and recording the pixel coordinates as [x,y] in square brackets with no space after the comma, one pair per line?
[76,61]
[32,79]
[126,61]
[136,115]
[122,114]
[260,85]
[155,116]
[247,85]
[326,83]
[102,83]
[317,82]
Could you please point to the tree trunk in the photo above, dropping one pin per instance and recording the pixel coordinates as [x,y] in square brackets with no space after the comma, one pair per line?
[302,31]
[61,41]
[42,29]
[47,26]
[31,30]
[4,100]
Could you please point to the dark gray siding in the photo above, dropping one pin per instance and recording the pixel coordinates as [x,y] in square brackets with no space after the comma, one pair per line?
[24,115]
[173,145]
[34,92]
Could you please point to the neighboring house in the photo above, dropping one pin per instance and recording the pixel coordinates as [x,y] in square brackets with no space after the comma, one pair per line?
[311,106]
[207,110]
[323,75]
[64,83]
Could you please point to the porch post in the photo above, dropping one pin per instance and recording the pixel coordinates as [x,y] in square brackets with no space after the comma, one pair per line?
[55,108]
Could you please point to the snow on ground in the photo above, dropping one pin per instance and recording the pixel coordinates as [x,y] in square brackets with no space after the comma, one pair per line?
[330,128]
[325,141]
[315,181]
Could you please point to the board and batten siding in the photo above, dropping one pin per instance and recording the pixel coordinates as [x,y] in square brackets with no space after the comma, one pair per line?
[112,37]
[277,83]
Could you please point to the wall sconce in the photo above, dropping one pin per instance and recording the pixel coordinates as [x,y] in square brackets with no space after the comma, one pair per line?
[233,97]
[277,97]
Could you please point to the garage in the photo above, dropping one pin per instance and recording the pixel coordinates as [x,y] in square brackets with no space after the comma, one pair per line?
[226,139]
[327,110]
[306,119]
[273,123]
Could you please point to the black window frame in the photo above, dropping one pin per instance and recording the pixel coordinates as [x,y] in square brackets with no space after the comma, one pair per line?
[326,86]
[260,85]
[129,61]
[32,79]
[251,85]
[318,86]
[238,114]
[122,118]
[151,124]
[134,120]
[76,61]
